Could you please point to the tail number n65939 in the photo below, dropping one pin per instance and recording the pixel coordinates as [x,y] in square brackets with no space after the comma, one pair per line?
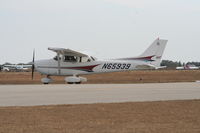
[116,66]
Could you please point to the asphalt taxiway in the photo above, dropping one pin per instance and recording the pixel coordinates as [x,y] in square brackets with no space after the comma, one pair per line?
[30,95]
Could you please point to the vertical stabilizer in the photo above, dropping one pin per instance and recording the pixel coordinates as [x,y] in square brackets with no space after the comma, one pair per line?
[155,51]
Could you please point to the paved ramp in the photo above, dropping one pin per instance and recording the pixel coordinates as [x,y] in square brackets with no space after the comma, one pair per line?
[28,95]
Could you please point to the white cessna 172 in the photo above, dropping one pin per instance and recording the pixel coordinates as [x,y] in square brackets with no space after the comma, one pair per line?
[72,63]
[15,67]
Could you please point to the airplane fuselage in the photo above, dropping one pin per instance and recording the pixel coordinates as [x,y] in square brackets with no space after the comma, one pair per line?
[51,67]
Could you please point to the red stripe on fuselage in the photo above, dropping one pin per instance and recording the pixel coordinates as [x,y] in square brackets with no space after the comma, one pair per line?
[84,68]
[147,58]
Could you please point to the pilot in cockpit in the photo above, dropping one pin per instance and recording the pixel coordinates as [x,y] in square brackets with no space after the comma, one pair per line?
[56,58]
[70,58]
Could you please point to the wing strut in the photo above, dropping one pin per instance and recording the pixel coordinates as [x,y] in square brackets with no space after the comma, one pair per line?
[58,56]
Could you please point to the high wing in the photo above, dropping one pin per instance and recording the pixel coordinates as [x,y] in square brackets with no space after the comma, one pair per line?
[69,52]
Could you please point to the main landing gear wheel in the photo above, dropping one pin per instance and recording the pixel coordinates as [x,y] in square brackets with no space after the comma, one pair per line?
[46,80]
[75,80]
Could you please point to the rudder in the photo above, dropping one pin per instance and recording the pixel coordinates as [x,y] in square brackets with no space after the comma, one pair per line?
[155,50]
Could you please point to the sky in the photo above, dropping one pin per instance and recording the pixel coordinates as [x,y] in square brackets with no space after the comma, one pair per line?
[102,28]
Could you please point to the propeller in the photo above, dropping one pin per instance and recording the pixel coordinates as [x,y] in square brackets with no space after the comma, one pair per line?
[33,65]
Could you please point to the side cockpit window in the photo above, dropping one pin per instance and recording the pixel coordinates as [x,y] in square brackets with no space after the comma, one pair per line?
[70,59]
[56,58]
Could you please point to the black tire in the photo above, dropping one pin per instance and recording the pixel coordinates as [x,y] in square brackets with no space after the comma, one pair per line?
[74,82]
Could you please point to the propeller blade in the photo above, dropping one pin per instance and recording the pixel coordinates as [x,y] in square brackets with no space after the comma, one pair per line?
[33,65]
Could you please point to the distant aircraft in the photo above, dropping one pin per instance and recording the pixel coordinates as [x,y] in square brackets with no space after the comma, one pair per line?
[72,63]
[15,67]
[187,67]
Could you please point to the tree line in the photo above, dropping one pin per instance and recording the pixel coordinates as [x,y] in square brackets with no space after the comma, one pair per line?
[174,64]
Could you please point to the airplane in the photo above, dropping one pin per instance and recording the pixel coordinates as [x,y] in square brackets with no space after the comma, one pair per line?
[15,67]
[72,63]
[187,67]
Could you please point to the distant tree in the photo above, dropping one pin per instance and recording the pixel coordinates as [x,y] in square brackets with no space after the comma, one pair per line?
[7,63]
[174,64]
[180,64]
[193,63]
[20,64]
[170,64]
